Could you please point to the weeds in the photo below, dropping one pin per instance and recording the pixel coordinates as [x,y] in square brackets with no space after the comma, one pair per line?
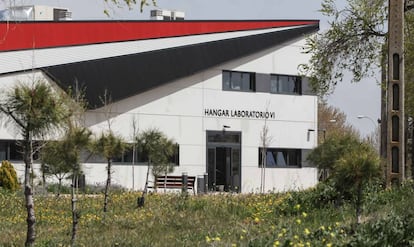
[274,219]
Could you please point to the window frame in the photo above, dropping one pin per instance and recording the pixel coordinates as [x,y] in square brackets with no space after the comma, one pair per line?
[287,156]
[252,81]
[297,87]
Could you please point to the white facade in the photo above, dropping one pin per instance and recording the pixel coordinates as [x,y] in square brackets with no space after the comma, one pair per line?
[181,109]
[178,110]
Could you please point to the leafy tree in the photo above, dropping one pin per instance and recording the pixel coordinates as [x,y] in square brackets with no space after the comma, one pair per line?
[159,149]
[35,110]
[130,3]
[110,146]
[353,43]
[8,176]
[331,150]
[52,162]
[353,171]
[332,121]
[356,43]
[62,158]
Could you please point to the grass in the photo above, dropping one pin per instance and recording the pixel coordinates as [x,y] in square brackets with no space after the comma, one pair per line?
[274,219]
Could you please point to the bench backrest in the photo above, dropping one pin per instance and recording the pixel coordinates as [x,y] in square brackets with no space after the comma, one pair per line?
[174,181]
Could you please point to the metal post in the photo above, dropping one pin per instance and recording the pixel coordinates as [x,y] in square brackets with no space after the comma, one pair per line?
[185,182]
[206,182]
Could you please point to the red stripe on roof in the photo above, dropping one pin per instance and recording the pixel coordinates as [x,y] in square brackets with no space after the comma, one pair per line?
[34,35]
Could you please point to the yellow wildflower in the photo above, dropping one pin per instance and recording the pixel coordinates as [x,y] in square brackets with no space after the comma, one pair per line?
[276,243]
[307,232]
[304,214]
[208,239]
[298,221]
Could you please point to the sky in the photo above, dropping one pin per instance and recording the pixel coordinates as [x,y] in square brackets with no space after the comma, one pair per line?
[355,99]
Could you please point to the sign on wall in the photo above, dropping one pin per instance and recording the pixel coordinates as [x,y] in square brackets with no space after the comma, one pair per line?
[209,112]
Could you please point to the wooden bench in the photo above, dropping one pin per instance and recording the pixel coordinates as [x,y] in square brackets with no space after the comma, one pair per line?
[173,182]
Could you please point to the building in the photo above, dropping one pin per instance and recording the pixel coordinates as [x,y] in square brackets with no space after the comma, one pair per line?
[211,86]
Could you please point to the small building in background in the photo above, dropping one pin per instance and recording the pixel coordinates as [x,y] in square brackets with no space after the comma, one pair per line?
[35,13]
[167,15]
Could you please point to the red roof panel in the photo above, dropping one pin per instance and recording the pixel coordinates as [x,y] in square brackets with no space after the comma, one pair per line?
[35,35]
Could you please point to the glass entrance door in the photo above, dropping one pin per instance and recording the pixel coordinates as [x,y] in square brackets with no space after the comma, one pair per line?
[223,161]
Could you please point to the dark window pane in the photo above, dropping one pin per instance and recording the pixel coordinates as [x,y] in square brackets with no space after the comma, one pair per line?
[284,84]
[396,67]
[395,129]
[395,97]
[395,168]
[3,150]
[279,157]
[226,137]
[239,81]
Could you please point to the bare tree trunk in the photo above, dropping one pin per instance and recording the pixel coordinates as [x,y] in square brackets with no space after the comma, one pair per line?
[165,182]
[358,204]
[141,200]
[44,181]
[59,187]
[75,213]
[108,184]
[28,192]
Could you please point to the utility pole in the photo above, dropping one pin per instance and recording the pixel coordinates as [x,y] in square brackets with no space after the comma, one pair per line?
[395,148]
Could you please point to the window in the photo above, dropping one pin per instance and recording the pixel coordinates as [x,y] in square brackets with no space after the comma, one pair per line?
[12,150]
[141,158]
[281,157]
[285,84]
[239,81]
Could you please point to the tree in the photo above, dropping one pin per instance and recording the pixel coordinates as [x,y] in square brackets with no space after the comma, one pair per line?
[332,121]
[130,3]
[351,164]
[356,43]
[353,43]
[110,146]
[53,164]
[331,150]
[35,111]
[265,140]
[158,149]
[353,171]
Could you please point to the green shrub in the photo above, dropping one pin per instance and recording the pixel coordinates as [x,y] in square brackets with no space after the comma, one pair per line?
[391,230]
[8,176]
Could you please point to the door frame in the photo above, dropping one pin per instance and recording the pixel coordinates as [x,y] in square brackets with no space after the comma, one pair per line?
[232,145]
